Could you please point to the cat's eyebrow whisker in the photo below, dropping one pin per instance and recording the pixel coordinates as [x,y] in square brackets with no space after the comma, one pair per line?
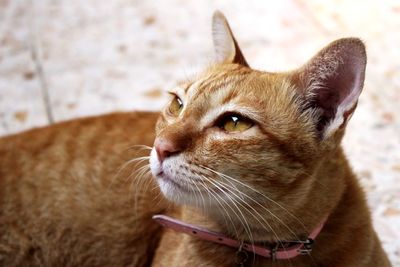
[256,191]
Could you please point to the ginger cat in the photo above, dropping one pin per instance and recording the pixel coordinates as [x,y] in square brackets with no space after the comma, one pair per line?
[253,155]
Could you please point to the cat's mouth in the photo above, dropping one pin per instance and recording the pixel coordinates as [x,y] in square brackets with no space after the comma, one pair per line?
[170,185]
[178,183]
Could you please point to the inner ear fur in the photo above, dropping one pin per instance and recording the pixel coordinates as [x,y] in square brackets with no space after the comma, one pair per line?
[226,47]
[331,82]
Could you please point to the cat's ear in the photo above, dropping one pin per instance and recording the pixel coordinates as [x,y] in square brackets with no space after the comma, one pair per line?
[331,83]
[226,47]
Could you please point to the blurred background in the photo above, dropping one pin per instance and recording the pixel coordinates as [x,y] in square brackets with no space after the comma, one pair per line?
[68,58]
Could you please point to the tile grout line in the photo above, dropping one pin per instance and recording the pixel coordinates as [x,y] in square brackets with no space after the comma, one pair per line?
[35,56]
[43,83]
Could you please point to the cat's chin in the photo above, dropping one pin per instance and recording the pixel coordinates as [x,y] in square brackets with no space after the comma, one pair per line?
[176,192]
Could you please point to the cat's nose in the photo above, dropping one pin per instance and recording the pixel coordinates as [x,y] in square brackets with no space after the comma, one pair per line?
[165,148]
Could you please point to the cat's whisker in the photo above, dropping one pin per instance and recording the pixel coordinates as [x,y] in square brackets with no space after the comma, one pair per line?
[215,197]
[232,200]
[254,216]
[137,160]
[242,194]
[279,240]
[146,182]
[195,190]
[139,182]
[296,237]
[258,192]
[240,197]
[139,147]
[159,198]
[223,186]
[125,165]
[235,187]
[136,180]
[211,195]
[201,195]
[139,170]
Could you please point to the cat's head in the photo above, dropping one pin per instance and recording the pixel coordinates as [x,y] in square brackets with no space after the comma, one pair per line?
[235,134]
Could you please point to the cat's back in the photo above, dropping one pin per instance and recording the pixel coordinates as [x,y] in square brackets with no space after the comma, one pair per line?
[126,126]
[67,196]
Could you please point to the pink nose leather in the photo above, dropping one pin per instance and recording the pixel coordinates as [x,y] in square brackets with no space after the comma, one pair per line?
[165,148]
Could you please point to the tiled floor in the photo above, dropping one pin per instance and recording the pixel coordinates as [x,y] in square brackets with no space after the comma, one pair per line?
[99,56]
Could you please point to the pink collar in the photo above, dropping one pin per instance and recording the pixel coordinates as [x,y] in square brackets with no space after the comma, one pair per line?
[293,248]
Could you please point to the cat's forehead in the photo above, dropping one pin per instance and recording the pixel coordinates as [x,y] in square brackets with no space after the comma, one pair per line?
[220,85]
[233,88]
[213,80]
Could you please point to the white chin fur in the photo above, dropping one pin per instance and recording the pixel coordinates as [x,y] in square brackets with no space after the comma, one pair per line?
[177,195]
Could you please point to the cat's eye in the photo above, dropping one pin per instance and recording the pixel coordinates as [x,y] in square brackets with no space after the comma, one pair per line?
[234,123]
[176,106]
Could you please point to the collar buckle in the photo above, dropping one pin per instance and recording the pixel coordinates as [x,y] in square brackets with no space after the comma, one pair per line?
[273,250]
[307,246]
[241,256]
